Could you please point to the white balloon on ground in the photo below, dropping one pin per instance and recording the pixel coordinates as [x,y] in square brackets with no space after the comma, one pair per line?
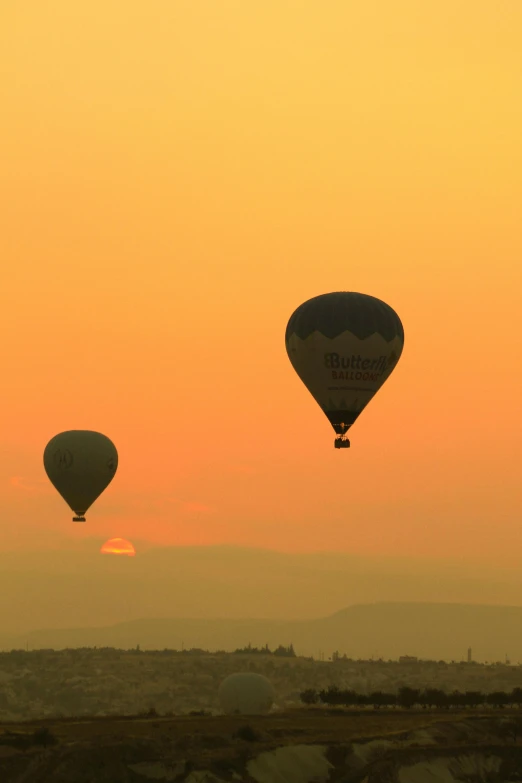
[246,693]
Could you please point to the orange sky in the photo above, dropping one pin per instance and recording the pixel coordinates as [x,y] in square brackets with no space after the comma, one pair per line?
[178,176]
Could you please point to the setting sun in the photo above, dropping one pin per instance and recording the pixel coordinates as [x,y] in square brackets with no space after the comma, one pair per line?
[118,546]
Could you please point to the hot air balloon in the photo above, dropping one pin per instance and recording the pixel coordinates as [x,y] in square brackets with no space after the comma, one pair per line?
[344,346]
[246,693]
[80,464]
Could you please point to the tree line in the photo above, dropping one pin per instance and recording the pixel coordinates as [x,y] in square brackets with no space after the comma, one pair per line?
[281,651]
[407,698]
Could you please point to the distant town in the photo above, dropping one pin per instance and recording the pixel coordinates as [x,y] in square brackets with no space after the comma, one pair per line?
[281,651]
[102,681]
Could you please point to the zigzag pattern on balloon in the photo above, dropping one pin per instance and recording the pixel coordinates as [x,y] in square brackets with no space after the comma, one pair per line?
[332,314]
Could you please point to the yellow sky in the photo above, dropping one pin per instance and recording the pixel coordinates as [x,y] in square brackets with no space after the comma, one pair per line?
[176,178]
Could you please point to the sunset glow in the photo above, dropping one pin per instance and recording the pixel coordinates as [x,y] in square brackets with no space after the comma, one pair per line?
[177,180]
[118,546]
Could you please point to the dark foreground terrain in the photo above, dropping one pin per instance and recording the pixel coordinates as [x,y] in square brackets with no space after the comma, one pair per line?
[296,746]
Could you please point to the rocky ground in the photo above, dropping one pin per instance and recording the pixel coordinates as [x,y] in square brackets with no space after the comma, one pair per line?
[296,746]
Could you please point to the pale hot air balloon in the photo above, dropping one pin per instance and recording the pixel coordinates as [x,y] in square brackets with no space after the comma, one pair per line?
[80,464]
[246,693]
[344,346]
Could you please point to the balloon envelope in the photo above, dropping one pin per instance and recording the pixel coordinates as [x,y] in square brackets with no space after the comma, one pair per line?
[246,693]
[80,464]
[344,346]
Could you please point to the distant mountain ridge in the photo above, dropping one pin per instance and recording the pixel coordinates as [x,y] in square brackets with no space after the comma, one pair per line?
[380,630]
[81,588]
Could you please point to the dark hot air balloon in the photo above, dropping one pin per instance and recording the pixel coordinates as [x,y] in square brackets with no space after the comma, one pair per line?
[80,464]
[344,346]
